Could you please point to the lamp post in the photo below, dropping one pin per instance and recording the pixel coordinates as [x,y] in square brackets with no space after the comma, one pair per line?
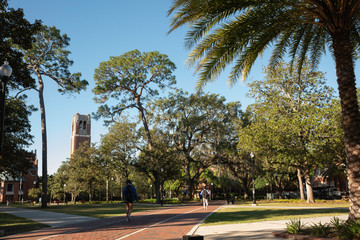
[212,190]
[20,190]
[111,194]
[151,191]
[253,180]
[5,73]
[267,192]
[64,194]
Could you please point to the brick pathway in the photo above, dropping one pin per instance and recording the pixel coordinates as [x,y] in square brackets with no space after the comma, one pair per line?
[165,223]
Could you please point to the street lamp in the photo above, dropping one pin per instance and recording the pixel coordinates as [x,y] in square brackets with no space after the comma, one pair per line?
[64,194]
[212,190]
[253,180]
[111,194]
[151,191]
[5,73]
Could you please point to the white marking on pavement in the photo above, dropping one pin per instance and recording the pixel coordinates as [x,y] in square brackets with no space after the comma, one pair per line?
[140,230]
[193,230]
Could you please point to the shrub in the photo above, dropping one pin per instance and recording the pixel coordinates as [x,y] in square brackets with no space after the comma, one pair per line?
[350,230]
[320,230]
[337,223]
[294,226]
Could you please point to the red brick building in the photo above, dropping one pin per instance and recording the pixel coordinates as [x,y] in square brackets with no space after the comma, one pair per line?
[17,188]
[80,132]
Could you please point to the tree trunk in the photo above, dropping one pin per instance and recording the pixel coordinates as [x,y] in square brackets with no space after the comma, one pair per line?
[309,189]
[91,192]
[188,179]
[44,142]
[158,191]
[246,195]
[145,124]
[301,184]
[350,115]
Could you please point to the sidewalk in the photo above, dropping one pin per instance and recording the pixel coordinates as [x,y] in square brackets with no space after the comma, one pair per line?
[49,218]
[256,230]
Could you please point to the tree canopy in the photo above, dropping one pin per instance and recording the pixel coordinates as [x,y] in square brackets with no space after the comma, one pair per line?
[238,32]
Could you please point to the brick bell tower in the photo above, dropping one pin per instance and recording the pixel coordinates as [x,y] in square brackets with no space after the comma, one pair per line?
[81,131]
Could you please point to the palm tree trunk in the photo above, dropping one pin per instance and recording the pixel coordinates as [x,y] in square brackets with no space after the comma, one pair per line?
[350,116]
[44,142]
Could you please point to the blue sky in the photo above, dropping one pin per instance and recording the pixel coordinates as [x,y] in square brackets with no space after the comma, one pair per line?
[100,29]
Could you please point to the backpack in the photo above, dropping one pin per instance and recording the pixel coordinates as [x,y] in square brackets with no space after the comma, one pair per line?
[128,194]
[205,193]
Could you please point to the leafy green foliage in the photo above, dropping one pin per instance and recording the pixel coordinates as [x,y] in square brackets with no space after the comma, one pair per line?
[34,193]
[223,33]
[349,230]
[15,29]
[17,136]
[320,229]
[118,147]
[131,79]
[49,57]
[237,33]
[294,226]
[293,125]
[200,127]
[83,170]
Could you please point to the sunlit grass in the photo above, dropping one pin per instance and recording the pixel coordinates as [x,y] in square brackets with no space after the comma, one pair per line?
[231,215]
[297,203]
[13,225]
[94,210]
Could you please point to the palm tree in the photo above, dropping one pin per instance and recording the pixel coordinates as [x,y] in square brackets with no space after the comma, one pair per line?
[237,32]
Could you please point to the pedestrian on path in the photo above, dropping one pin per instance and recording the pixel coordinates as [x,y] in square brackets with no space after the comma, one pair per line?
[205,196]
[130,196]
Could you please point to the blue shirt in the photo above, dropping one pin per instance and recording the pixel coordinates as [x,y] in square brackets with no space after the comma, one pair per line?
[134,195]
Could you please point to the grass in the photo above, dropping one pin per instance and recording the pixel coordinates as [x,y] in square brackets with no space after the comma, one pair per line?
[297,203]
[13,225]
[94,210]
[250,214]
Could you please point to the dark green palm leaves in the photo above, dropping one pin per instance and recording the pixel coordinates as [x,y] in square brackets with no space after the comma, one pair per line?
[237,32]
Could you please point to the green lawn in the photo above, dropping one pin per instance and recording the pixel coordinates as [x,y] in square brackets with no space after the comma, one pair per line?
[13,225]
[231,215]
[297,203]
[94,210]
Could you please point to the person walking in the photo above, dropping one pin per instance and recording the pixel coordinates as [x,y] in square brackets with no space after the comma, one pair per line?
[205,196]
[130,196]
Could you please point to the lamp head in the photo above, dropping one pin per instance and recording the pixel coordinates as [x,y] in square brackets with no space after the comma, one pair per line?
[5,69]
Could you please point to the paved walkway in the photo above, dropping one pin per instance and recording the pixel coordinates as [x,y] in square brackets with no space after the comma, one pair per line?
[256,230]
[166,223]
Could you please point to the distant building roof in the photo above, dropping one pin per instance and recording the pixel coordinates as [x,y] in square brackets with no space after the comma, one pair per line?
[6,177]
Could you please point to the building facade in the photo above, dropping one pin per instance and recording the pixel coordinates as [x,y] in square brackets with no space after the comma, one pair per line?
[80,131]
[13,189]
